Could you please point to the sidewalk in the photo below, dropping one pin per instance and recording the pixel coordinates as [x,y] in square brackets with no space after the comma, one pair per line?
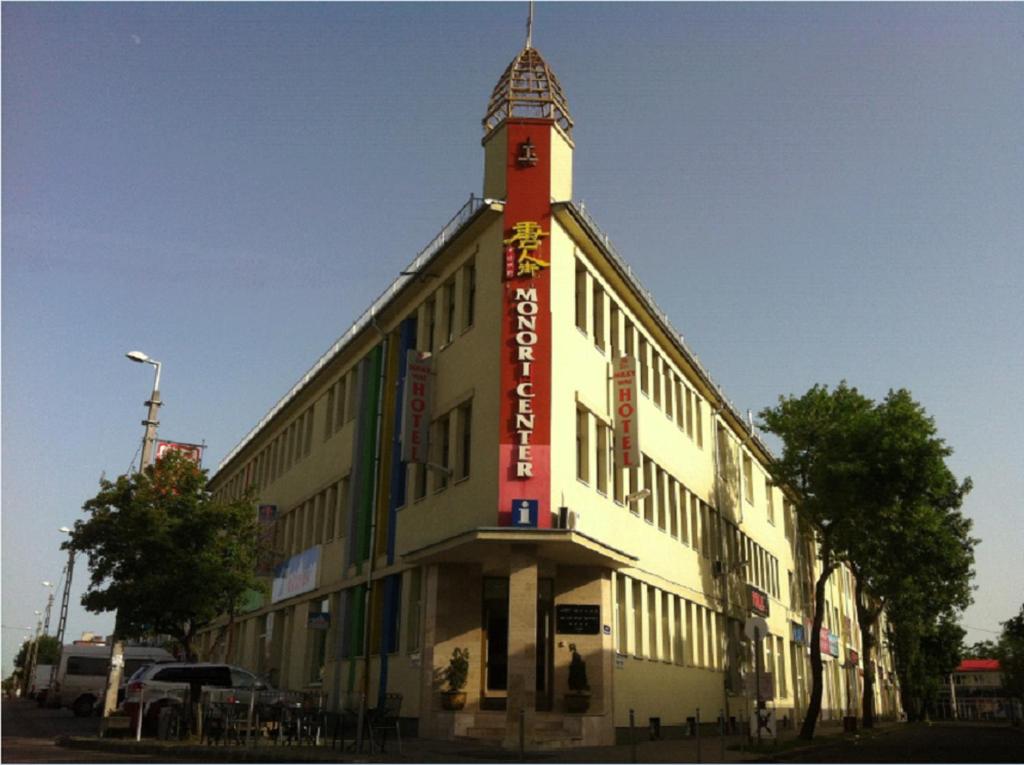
[428,750]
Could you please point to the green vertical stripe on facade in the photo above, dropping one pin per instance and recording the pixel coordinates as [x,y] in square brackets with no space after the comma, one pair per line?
[357,601]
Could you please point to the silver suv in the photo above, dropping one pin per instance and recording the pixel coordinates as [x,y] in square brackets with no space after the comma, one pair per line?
[166,683]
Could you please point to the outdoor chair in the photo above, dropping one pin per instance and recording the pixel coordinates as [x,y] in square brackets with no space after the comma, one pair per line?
[385,717]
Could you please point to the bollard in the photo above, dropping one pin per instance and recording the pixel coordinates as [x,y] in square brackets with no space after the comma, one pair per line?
[632,737]
[248,719]
[138,722]
[522,732]
[697,718]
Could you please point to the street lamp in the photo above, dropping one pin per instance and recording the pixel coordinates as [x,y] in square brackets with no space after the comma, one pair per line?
[116,669]
[150,422]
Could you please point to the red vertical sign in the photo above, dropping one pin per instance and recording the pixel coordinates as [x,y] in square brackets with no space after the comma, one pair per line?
[524,475]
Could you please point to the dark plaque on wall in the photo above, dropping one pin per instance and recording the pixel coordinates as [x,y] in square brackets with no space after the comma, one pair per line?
[578,620]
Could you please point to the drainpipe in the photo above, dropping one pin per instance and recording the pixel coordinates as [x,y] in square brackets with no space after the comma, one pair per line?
[368,593]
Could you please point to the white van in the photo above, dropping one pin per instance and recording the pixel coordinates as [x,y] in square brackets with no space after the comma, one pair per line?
[82,675]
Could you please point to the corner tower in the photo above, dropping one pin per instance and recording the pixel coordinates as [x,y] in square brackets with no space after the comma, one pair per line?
[528,163]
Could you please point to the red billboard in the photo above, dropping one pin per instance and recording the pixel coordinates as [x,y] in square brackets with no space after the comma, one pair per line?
[192,452]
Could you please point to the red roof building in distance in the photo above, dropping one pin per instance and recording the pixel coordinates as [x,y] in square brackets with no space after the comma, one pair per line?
[978,665]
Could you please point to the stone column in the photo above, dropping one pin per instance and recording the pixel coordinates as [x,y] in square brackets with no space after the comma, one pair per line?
[522,644]
[428,724]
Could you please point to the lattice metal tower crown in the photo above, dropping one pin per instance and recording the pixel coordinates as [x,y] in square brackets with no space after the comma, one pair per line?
[528,88]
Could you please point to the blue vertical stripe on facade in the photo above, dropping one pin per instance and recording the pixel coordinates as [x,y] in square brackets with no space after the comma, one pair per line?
[396,498]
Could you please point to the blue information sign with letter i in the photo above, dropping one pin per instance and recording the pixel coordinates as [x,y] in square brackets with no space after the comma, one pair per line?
[524,512]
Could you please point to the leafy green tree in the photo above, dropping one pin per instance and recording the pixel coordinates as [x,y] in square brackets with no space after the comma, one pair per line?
[822,433]
[164,554]
[913,535]
[49,650]
[983,649]
[878,495]
[1010,653]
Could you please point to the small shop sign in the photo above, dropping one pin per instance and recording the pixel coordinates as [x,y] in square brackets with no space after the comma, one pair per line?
[757,600]
[572,619]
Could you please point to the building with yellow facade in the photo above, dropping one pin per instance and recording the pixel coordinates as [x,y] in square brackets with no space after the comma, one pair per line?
[514,453]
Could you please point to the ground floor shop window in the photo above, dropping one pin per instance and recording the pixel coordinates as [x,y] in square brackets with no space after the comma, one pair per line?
[317,626]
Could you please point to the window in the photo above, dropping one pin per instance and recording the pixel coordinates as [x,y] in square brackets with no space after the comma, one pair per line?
[645,376]
[412,622]
[630,338]
[318,518]
[449,311]
[331,512]
[617,493]
[638,623]
[679,621]
[662,505]
[684,516]
[469,285]
[699,426]
[649,484]
[666,636]
[701,657]
[339,415]
[689,413]
[602,458]
[770,497]
[613,327]
[669,391]
[581,297]
[419,481]
[329,413]
[352,391]
[444,431]
[430,321]
[309,432]
[582,444]
[656,375]
[621,621]
[748,478]
[652,621]
[598,311]
[673,507]
[317,629]
[464,435]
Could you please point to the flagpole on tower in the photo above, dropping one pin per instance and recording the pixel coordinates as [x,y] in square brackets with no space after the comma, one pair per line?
[529,27]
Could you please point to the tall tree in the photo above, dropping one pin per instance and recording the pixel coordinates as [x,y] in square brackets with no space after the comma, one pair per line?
[164,554]
[876,489]
[47,654]
[1010,652]
[821,433]
[913,534]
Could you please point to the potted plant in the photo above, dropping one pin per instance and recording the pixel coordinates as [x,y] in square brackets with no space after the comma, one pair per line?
[455,675]
[577,700]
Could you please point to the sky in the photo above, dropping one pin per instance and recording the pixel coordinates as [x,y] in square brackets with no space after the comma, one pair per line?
[812,192]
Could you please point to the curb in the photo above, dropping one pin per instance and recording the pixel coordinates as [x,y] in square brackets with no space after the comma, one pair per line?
[191,751]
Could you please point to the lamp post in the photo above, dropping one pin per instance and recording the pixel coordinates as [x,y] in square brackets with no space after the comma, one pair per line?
[49,607]
[150,423]
[62,620]
[115,671]
[33,652]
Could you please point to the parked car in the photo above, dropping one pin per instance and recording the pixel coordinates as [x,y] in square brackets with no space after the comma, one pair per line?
[82,674]
[170,683]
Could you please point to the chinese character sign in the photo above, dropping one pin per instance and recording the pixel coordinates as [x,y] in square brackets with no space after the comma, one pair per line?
[521,249]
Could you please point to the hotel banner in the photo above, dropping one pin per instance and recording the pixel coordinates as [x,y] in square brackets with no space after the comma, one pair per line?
[417,398]
[627,445]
